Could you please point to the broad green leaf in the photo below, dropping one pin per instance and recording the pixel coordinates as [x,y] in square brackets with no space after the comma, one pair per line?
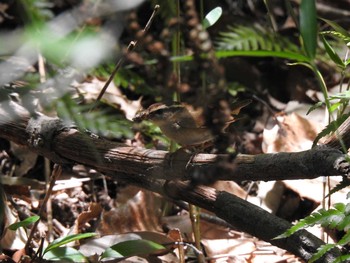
[335,106]
[65,254]
[132,248]
[213,16]
[26,222]
[65,240]
[332,54]
[308,27]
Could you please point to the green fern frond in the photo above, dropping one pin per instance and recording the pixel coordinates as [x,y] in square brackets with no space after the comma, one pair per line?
[344,240]
[341,185]
[342,258]
[103,123]
[315,106]
[338,35]
[321,251]
[330,128]
[326,218]
[252,38]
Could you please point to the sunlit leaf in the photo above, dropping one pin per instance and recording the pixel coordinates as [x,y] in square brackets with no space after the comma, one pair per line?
[65,254]
[132,248]
[26,222]
[65,240]
[212,17]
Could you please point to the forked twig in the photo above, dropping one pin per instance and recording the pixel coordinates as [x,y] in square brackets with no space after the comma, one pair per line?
[130,47]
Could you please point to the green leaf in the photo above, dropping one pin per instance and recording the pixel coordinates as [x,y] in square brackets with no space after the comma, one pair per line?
[337,28]
[335,106]
[331,127]
[326,218]
[262,53]
[104,122]
[332,54]
[308,27]
[254,38]
[342,258]
[212,17]
[344,240]
[341,185]
[65,240]
[26,222]
[321,251]
[344,224]
[132,248]
[342,95]
[65,254]
[315,106]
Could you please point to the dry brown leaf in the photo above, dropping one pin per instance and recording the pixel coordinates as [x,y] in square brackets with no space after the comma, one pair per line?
[293,133]
[113,96]
[140,213]
[93,212]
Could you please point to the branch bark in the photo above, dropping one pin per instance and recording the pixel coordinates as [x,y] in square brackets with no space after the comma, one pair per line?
[147,169]
[64,144]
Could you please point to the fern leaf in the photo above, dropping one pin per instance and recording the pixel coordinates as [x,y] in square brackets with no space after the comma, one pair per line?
[103,123]
[310,220]
[342,95]
[342,258]
[321,251]
[315,106]
[253,38]
[344,224]
[344,240]
[330,128]
[341,185]
[326,218]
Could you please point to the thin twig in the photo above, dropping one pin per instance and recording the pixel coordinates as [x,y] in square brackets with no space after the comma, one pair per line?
[130,47]
[57,171]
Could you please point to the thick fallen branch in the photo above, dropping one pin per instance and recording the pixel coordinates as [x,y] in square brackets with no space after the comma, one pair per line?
[66,145]
[62,144]
[239,213]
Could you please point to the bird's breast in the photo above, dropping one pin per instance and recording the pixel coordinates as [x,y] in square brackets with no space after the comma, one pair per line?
[186,136]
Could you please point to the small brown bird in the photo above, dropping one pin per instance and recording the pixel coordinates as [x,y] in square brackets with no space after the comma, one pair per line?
[181,122]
